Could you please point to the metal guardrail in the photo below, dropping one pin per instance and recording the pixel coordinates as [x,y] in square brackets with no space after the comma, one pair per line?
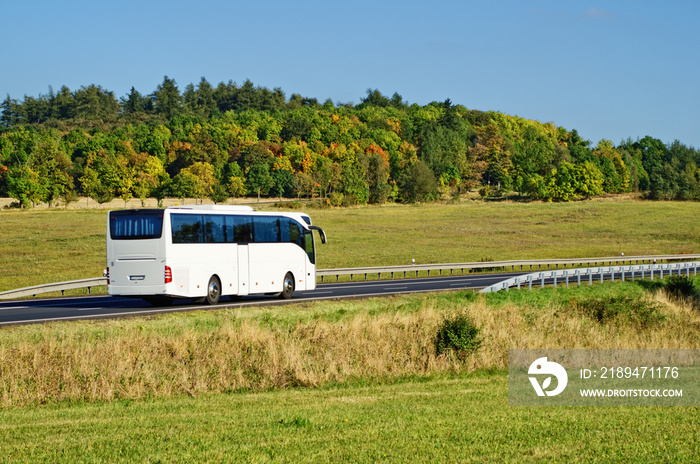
[54,287]
[588,273]
[521,264]
[388,270]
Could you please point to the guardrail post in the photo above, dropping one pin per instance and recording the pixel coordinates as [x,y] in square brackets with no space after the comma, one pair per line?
[541,279]
[554,274]
[622,270]
[529,282]
[600,270]
[612,273]
[517,281]
[566,274]
[590,276]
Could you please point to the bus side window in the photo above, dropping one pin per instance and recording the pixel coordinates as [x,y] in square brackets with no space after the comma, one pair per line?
[215,229]
[187,228]
[295,234]
[285,226]
[267,229]
[239,229]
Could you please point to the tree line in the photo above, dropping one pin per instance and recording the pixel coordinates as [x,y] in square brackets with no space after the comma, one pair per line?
[230,141]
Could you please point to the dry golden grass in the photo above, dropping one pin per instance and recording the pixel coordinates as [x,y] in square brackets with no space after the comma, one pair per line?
[74,364]
[322,344]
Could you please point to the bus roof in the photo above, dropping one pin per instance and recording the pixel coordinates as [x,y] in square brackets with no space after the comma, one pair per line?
[214,207]
[240,209]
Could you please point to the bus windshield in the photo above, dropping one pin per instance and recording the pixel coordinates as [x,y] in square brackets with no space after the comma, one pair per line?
[136,225]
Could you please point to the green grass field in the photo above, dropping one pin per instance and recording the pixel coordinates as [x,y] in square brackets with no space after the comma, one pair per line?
[345,381]
[463,418]
[42,246]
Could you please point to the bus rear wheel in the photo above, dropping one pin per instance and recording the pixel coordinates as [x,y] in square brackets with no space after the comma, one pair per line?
[213,290]
[287,286]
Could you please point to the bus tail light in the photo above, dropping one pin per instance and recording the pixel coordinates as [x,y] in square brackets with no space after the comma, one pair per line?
[168,275]
[106,274]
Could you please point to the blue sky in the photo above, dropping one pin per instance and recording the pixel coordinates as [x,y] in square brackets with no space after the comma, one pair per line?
[611,70]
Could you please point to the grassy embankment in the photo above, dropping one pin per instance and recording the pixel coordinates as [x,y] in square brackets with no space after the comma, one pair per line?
[233,384]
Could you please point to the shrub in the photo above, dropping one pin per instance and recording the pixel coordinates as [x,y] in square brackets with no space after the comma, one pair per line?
[620,310]
[677,286]
[458,335]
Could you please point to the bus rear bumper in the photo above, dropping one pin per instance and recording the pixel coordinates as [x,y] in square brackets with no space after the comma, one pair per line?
[132,290]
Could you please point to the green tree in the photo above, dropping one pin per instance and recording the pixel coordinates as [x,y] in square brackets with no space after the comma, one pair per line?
[535,186]
[204,180]
[53,167]
[167,99]
[218,193]
[236,186]
[375,98]
[134,103]
[259,179]
[283,183]
[614,169]
[26,186]
[417,183]
[589,179]
[93,187]
[184,185]
[563,182]
[354,184]
[95,103]
[149,176]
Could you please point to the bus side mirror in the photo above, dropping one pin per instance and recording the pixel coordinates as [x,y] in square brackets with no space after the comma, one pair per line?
[321,233]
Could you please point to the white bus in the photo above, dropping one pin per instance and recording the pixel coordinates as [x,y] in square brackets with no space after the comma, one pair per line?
[205,252]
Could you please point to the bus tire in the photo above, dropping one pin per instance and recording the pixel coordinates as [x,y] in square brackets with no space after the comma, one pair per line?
[287,286]
[213,290]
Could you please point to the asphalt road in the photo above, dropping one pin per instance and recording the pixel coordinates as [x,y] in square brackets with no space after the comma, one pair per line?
[56,309]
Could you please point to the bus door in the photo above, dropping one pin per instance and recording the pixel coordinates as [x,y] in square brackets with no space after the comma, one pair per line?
[243,269]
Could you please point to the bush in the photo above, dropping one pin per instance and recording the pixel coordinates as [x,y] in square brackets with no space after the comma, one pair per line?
[458,335]
[679,287]
[620,310]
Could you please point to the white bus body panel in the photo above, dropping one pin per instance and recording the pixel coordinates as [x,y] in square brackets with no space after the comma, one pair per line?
[138,269]
[243,275]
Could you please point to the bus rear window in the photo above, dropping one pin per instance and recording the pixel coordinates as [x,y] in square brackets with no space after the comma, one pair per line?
[136,224]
